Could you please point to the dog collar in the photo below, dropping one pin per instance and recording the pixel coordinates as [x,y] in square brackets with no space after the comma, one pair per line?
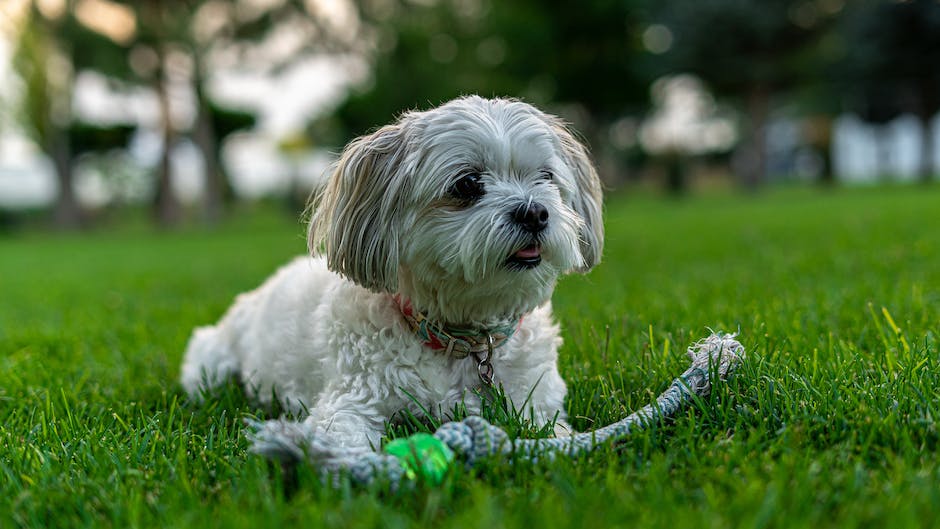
[458,341]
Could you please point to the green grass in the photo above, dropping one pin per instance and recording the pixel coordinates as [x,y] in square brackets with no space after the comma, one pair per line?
[829,423]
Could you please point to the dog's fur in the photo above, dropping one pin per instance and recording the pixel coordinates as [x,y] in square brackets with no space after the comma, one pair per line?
[326,334]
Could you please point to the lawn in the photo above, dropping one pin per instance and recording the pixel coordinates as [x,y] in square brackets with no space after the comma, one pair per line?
[829,423]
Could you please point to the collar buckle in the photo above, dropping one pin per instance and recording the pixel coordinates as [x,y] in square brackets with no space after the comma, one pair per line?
[484,366]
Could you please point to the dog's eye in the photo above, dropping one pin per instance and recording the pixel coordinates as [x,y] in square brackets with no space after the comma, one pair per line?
[467,187]
[546,174]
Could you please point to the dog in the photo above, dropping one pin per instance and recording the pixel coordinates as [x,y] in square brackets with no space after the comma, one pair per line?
[435,246]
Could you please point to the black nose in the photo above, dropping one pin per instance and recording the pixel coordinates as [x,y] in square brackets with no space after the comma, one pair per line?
[532,216]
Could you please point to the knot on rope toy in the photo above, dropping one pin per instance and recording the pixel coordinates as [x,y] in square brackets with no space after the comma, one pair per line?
[718,352]
[473,438]
[428,458]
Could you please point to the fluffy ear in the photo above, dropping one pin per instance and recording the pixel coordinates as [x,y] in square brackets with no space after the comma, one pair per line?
[588,199]
[356,217]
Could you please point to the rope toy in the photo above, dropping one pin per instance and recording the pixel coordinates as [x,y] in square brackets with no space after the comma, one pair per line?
[425,457]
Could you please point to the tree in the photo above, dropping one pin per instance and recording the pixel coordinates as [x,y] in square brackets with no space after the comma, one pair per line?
[749,52]
[159,43]
[166,29]
[889,66]
[193,30]
[581,62]
[44,58]
[44,104]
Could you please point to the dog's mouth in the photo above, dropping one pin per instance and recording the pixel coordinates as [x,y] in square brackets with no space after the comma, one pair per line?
[526,258]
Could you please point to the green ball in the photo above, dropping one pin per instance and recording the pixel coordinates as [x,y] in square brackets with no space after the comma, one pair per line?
[422,455]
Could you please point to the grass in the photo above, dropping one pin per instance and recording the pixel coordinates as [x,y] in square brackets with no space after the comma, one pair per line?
[829,423]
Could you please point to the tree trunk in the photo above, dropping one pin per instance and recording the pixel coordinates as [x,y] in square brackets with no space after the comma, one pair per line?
[929,106]
[167,209]
[67,213]
[753,168]
[676,181]
[827,175]
[885,161]
[926,150]
[218,190]
[818,132]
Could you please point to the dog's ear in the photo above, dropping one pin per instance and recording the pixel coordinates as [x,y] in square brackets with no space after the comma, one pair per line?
[356,217]
[587,201]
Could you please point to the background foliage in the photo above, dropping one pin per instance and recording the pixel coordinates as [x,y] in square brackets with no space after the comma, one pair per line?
[808,61]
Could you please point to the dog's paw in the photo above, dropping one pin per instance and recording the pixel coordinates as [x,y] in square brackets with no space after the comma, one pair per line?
[281,440]
[563,429]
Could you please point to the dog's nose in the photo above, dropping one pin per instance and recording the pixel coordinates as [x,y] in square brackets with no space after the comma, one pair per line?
[532,216]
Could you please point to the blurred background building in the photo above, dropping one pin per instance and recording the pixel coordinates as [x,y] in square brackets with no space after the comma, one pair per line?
[186,106]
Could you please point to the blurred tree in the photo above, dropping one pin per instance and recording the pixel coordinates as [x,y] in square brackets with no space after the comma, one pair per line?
[218,123]
[747,51]
[158,44]
[45,60]
[166,45]
[890,65]
[88,137]
[684,123]
[818,99]
[44,107]
[158,26]
[578,61]
[191,35]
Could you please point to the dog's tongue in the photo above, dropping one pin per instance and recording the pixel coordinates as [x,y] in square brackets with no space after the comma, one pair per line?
[529,252]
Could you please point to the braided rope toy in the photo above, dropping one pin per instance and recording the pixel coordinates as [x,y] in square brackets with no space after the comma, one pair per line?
[428,457]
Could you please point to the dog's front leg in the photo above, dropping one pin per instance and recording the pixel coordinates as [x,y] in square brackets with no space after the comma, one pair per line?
[348,420]
[543,400]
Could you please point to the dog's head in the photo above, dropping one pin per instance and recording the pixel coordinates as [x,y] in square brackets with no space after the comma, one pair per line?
[472,209]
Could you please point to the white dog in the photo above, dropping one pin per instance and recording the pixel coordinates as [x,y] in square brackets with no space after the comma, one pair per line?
[438,241]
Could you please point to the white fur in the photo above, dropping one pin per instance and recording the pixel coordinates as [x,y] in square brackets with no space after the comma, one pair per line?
[326,336]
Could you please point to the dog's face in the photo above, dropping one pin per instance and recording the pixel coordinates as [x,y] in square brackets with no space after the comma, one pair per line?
[471,210]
